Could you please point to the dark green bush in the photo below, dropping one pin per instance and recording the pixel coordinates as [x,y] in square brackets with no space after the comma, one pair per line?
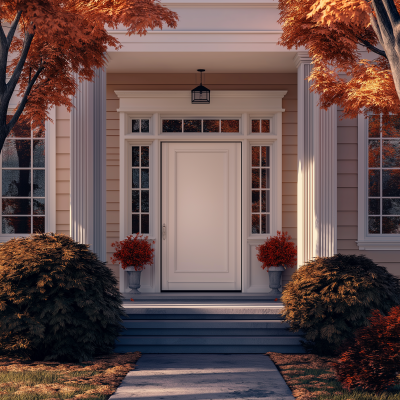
[330,297]
[57,300]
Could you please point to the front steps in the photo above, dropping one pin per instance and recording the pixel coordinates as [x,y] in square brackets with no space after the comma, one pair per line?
[206,325]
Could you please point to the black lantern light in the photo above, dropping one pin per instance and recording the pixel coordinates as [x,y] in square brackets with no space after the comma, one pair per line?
[200,94]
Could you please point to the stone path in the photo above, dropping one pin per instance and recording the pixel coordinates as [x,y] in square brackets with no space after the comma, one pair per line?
[203,377]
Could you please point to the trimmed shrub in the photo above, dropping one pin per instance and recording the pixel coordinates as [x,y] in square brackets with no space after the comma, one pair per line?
[371,360]
[330,297]
[57,300]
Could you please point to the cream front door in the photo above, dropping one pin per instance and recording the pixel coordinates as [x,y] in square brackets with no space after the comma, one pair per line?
[201,224]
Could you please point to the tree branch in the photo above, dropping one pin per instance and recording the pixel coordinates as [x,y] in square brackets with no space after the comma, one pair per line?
[375,27]
[13,28]
[24,99]
[374,49]
[391,12]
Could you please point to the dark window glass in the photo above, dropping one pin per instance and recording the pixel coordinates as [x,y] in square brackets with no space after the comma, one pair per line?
[135,156]
[374,126]
[265,156]
[16,153]
[263,201]
[145,156]
[38,224]
[374,183]
[135,223]
[255,178]
[374,224]
[145,223]
[145,201]
[145,178]
[374,153]
[145,126]
[16,183]
[16,225]
[390,224]
[391,182]
[135,178]
[265,126]
[16,206]
[38,183]
[192,125]
[38,206]
[374,206]
[263,223]
[390,126]
[172,125]
[136,125]
[135,200]
[230,125]
[255,223]
[211,125]
[391,153]
[38,153]
[255,201]
[255,156]
[390,207]
[255,125]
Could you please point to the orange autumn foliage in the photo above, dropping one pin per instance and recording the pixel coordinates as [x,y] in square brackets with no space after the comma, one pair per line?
[48,43]
[333,32]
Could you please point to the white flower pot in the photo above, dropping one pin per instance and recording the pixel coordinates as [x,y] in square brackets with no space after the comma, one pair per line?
[275,274]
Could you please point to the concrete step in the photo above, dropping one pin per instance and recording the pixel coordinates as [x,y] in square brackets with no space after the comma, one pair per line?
[220,349]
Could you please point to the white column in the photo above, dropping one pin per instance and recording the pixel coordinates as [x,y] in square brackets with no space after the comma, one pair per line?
[317,171]
[88,162]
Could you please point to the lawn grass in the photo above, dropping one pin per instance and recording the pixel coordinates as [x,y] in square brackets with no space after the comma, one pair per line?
[312,378]
[92,380]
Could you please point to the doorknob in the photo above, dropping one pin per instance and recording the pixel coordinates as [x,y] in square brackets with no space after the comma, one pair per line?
[164,231]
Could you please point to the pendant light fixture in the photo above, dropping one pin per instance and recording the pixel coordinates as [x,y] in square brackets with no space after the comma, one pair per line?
[200,94]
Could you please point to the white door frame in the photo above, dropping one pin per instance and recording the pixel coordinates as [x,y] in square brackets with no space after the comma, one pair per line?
[156,105]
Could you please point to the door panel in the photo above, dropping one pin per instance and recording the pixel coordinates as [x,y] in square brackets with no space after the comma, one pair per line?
[201,185]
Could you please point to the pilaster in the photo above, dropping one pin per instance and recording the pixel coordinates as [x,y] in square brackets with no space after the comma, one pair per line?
[317,171]
[88,157]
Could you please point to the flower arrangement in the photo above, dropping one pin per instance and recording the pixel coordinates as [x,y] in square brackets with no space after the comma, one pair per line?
[277,251]
[133,251]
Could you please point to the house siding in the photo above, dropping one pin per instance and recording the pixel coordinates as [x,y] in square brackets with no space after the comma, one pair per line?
[347,186]
[213,82]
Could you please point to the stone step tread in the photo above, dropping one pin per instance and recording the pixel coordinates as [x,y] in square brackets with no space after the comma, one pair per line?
[208,340]
[201,309]
[207,332]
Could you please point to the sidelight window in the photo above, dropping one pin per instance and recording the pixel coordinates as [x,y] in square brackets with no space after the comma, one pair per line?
[140,189]
[260,189]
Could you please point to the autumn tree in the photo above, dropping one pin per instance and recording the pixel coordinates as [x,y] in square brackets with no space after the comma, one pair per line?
[333,31]
[44,44]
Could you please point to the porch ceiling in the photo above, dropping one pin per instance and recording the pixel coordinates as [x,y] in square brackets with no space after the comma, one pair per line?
[189,62]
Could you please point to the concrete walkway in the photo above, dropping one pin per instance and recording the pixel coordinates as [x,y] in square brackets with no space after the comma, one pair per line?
[203,377]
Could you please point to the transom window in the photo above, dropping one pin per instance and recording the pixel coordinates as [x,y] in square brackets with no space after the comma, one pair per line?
[140,189]
[383,175]
[260,190]
[260,126]
[141,125]
[201,125]
[23,181]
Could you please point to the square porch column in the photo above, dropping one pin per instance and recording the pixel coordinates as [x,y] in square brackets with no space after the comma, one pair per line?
[88,165]
[317,170]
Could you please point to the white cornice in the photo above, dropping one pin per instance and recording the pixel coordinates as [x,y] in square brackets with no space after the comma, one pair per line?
[221,4]
[302,57]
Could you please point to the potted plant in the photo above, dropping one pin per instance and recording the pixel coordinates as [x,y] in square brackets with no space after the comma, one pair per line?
[133,253]
[277,254]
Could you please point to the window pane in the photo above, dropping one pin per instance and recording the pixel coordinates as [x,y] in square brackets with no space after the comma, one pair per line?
[135,156]
[39,132]
[255,156]
[265,126]
[374,153]
[374,183]
[391,182]
[255,201]
[145,178]
[255,223]
[230,125]
[374,206]
[38,206]
[374,126]
[145,156]
[374,224]
[145,201]
[255,178]
[145,223]
[263,201]
[38,153]
[390,224]
[136,125]
[390,126]
[172,125]
[135,223]
[268,201]
[135,200]
[16,206]
[16,183]
[135,178]
[21,129]
[211,125]
[391,153]
[145,125]
[16,153]
[390,206]
[255,125]
[265,156]
[16,225]
[263,223]
[38,183]
[192,125]
[38,224]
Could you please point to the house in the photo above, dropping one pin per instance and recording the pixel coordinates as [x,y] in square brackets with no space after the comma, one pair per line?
[208,182]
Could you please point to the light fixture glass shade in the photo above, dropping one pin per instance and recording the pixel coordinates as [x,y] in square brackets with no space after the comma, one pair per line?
[200,95]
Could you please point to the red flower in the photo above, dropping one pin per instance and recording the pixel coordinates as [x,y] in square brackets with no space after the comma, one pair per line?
[133,251]
[132,300]
[277,251]
[276,299]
